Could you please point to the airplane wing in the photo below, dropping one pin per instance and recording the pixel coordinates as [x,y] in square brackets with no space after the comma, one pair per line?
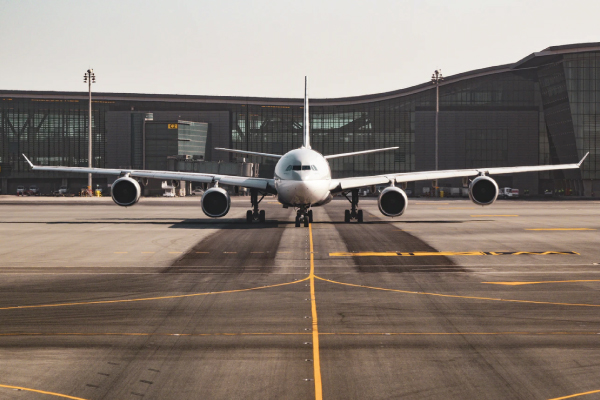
[243,181]
[339,185]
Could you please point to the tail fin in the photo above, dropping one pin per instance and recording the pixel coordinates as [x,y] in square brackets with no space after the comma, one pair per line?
[306,124]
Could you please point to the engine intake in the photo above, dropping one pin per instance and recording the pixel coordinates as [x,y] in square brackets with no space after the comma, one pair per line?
[392,201]
[126,191]
[215,202]
[483,191]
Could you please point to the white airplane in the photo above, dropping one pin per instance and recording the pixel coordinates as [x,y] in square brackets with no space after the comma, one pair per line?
[303,180]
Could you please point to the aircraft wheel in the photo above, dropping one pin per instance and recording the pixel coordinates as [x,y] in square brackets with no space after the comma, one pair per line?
[306,221]
[360,216]
[347,216]
[297,221]
[262,216]
[249,216]
[310,217]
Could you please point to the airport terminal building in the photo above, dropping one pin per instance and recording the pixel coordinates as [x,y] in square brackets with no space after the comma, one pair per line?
[542,109]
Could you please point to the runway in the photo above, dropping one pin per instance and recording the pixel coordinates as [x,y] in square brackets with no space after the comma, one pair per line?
[157,301]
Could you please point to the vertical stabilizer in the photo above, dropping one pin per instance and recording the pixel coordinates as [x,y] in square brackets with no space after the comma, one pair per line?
[306,124]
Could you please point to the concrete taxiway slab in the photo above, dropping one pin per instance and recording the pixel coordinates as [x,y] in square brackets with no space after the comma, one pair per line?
[157,301]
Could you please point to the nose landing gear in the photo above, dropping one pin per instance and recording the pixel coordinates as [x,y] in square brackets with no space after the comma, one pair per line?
[354,213]
[305,216]
[255,214]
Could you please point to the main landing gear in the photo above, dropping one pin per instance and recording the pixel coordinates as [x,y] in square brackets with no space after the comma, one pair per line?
[304,215]
[354,213]
[255,214]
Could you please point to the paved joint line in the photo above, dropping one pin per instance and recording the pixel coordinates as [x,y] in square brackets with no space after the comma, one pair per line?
[460,297]
[191,335]
[315,326]
[449,253]
[64,396]
[560,229]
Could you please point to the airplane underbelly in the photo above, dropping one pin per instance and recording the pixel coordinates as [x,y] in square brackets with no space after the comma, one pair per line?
[296,193]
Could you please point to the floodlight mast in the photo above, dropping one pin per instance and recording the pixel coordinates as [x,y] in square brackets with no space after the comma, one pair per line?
[436,78]
[89,78]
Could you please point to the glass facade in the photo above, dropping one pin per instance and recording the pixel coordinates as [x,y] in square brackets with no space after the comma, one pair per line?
[542,109]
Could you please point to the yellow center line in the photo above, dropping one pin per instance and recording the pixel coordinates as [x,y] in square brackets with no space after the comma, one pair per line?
[575,395]
[315,327]
[153,298]
[560,229]
[459,297]
[64,396]
[495,215]
[535,283]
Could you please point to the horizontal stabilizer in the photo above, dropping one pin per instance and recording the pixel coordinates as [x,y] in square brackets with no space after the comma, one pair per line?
[356,153]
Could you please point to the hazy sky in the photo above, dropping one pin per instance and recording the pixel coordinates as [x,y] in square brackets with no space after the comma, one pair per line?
[265,48]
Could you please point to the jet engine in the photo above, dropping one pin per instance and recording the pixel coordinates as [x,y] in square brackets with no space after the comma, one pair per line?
[483,190]
[215,202]
[126,191]
[392,201]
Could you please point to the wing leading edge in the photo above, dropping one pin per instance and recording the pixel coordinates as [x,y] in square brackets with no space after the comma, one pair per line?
[338,185]
[253,183]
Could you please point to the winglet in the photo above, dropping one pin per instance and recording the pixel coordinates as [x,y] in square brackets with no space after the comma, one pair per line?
[30,163]
[584,157]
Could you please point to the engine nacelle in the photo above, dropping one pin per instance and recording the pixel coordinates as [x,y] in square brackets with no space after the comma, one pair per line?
[215,202]
[483,190]
[392,201]
[126,191]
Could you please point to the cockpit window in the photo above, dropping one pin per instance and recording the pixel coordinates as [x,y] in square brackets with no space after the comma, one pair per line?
[289,168]
[306,168]
[313,167]
[297,167]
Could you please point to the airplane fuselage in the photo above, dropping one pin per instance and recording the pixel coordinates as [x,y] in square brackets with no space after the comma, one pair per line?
[303,178]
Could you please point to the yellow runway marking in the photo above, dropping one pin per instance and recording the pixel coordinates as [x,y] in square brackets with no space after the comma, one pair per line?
[459,297]
[450,253]
[560,229]
[315,327]
[535,283]
[495,215]
[64,396]
[152,298]
[575,395]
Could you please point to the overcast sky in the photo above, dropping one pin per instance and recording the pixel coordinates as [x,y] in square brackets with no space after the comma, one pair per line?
[265,48]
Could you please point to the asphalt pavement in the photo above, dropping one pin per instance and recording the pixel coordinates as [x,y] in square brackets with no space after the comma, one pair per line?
[158,301]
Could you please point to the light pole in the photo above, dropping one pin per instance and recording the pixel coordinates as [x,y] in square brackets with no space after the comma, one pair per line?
[89,78]
[436,78]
